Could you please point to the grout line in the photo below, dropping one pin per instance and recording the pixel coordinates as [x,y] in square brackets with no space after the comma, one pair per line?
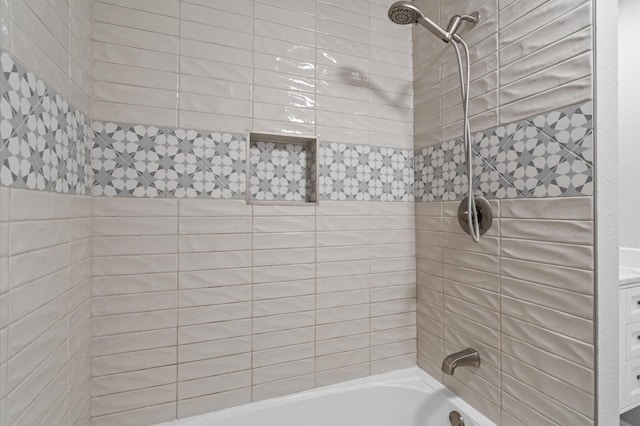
[315,208]
[178,203]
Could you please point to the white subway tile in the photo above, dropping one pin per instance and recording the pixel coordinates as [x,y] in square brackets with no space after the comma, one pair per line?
[132,18]
[30,297]
[134,226]
[336,269]
[134,37]
[133,341]
[212,385]
[343,313]
[20,398]
[211,367]
[155,413]
[337,375]
[132,361]
[123,401]
[213,331]
[283,257]
[343,283]
[215,52]
[558,412]
[130,303]
[264,308]
[23,363]
[283,322]
[283,240]
[283,387]
[214,278]
[125,265]
[213,349]
[283,354]
[215,34]
[125,284]
[214,260]
[216,15]
[217,401]
[113,246]
[342,298]
[214,296]
[283,273]
[108,111]
[214,225]
[284,289]
[214,313]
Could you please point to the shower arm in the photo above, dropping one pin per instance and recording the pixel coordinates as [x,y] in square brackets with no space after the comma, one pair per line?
[453,27]
[456,21]
[434,28]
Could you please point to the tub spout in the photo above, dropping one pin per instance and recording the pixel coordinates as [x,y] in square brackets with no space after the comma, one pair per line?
[466,358]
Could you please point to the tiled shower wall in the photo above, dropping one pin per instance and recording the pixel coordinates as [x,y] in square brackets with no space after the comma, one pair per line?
[45,212]
[202,304]
[523,296]
[45,330]
[261,300]
[201,301]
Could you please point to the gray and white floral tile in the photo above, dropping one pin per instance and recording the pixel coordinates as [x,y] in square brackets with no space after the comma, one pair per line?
[45,141]
[365,173]
[147,161]
[344,172]
[49,145]
[550,155]
[282,171]
[396,174]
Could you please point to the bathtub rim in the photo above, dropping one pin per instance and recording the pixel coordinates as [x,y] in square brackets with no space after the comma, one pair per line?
[412,377]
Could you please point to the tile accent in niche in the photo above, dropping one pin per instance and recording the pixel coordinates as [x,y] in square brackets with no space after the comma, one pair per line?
[281,171]
[550,155]
[45,141]
[147,161]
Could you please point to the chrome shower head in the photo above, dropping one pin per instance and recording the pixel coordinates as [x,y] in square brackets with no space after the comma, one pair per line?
[405,12]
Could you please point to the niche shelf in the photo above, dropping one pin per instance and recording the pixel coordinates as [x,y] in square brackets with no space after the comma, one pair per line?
[282,169]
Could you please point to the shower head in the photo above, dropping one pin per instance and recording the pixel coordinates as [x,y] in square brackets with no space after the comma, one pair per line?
[405,12]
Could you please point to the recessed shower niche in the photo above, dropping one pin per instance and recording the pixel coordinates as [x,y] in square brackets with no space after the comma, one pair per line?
[282,169]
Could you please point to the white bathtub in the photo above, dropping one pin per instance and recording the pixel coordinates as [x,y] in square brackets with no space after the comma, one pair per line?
[401,398]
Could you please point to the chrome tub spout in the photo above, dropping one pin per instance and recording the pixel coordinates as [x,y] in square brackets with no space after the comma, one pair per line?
[465,358]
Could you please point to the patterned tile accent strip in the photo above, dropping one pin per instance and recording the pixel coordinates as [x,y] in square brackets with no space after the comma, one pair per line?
[46,144]
[147,161]
[362,172]
[550,155]
[45,141]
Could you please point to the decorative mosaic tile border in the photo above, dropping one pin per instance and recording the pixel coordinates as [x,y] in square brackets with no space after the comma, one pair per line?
[363,172]
[550,155]
[48,145]
[147,161]
[46,142]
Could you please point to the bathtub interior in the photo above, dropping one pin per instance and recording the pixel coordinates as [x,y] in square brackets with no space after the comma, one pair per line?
[403,398]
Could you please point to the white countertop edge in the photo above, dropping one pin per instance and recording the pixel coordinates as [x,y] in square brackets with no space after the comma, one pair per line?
[629,276]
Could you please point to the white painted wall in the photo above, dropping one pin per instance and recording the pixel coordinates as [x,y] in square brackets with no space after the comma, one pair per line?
[629,124]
